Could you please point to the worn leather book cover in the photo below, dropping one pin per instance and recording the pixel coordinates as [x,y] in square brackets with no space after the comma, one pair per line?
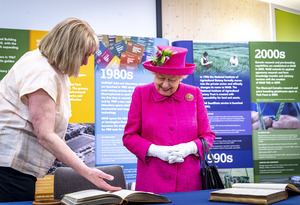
[254,193]
[93,196]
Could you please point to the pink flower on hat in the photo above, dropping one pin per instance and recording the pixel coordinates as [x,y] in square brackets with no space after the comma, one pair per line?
[162,56]
[153,63]
[170,60]
[158,54]
[167,58]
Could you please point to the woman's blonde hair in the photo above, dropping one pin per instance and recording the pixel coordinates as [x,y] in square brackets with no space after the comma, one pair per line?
[67,43]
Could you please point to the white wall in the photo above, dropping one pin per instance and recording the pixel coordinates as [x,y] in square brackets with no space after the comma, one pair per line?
[116,17]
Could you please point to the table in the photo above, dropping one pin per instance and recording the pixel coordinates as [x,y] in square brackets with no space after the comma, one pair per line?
[193,198]
[201,198]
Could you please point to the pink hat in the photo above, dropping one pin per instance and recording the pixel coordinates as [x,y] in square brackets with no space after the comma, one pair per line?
[170,60]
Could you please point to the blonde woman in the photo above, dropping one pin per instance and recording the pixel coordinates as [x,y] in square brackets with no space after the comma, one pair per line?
[35,109]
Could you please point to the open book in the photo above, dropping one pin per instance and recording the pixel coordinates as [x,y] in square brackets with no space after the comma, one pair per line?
[254,193]
[93,196]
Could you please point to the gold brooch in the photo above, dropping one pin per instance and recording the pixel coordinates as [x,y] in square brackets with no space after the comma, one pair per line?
[189,97]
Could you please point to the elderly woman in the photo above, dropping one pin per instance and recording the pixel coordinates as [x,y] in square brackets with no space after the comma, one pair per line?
[165,121]
[35,109]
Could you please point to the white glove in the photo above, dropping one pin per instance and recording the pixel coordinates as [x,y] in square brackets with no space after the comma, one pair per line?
[162,152]
[186,149]
[176,159]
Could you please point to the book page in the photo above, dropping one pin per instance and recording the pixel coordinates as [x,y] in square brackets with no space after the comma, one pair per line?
[141,196]
[244,191]
[124,193]
[88,195]
[260,186]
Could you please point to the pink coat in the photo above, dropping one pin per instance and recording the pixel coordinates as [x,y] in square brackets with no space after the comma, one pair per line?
[160,120]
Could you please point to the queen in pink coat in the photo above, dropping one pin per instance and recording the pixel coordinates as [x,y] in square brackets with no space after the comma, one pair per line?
[165,121]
